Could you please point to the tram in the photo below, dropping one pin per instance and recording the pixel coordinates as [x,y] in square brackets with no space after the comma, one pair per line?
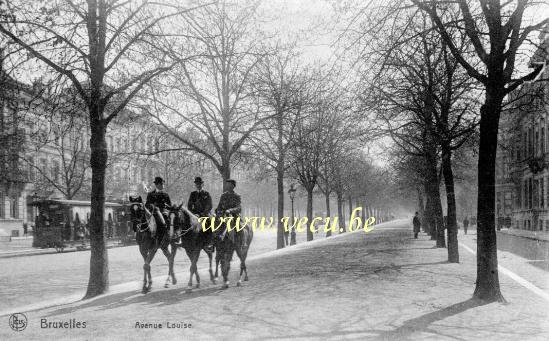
[65,223]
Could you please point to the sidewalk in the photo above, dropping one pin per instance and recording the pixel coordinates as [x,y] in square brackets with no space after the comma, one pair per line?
[22,246]
[378,286]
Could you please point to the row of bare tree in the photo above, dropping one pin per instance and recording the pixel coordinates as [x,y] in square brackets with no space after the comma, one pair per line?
[436,70]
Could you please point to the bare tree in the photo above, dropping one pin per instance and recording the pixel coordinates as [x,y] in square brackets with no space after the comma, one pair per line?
[497,32]
[103,50]
[281,84]
[69,175]
[210,104]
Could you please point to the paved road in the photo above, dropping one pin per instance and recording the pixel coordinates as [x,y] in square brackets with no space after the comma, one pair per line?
[26,280]
[383,285]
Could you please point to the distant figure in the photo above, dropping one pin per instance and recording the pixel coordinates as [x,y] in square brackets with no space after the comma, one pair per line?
[417,225]
[465,224]
[25,229]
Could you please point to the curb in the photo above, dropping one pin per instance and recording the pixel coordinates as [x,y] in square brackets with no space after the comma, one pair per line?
[49,251]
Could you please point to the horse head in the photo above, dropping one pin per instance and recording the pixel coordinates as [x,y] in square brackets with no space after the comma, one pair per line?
[137,211]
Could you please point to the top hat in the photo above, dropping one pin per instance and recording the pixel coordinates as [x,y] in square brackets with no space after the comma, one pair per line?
[158,180]
[232,182]
[198,180]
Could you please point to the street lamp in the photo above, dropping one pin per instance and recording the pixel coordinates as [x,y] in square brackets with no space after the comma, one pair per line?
[291,192]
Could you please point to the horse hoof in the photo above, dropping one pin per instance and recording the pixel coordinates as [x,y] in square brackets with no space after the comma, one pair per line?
[238,283]
[166,285]
[214,281]
[225,286]
[246,279]
[174,281]
[197,286]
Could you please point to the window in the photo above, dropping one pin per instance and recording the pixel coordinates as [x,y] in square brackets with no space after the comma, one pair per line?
[519,197]
[536,194]
[525,194]
[43,165]
[536,143]
[135,175]
[541,193]
[542,141]
[2,206]
[519,146]
[55,171]
[530,196]
[14,208]
[32,174]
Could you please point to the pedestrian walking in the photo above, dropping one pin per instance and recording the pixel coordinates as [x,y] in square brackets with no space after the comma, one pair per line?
[465,224]
[417,225]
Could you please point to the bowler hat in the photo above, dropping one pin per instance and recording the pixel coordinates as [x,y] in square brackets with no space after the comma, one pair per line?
[198,180]
[232,181]
[158,180]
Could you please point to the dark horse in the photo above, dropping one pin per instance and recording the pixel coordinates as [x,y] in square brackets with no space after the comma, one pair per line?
[226,243]
[150,239]
[193,240]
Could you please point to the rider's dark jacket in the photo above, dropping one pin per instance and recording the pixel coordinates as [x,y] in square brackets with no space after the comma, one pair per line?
[229,200]
[200,203]
[158,199]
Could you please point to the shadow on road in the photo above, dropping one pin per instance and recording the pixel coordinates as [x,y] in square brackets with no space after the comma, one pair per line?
[157,298]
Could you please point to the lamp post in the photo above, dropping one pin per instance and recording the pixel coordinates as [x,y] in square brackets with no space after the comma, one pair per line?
[291,192]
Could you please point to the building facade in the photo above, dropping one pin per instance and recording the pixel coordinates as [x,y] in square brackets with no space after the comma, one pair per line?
[522,170]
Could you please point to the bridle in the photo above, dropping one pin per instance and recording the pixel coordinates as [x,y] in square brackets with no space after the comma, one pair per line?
[142,211]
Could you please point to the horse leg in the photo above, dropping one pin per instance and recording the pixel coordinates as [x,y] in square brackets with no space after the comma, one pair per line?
[242,266]
[217,261]
[212,278]
[174,252]
[195,266]
[191,270]
[168,255]
[150,258]
[226,265]
[245,253]
[146,268]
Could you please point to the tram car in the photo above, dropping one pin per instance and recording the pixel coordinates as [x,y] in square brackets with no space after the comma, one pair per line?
[65,223]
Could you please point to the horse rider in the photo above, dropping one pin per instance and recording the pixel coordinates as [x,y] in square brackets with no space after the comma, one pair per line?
[200,204]
[161,202]
[229,203]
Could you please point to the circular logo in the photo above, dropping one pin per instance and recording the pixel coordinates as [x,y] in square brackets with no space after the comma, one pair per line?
[18,322]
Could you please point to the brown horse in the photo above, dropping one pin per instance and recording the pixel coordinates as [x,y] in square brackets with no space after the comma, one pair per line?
[226,243]
[193,240]
[150,239]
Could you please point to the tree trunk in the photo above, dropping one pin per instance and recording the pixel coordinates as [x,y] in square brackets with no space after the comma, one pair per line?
[453,252]
[487,285]
[99,262]
[434,193]
[328,213]
[309,213]
[350,209]
[421,207]
[280,230]
[225,172]
[340,212]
